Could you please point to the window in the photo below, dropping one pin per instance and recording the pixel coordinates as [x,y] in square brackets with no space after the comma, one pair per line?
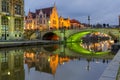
[54,22]
[40,21]
[15,35]
[5,6]
[18,24]
[7,35]
[17,9]
[4,61]
[2,35]
[4,22]
[40,16]
[19,35]
[16,61]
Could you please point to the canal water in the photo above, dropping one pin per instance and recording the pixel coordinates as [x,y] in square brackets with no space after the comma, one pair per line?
[51,62]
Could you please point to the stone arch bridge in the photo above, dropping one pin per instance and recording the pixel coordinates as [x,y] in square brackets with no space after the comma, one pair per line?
[43,35]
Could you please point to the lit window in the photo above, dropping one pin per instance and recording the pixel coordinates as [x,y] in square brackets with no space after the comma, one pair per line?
[54,22]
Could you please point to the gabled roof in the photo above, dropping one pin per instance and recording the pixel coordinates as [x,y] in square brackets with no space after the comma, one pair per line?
[33,14]
[46,11]
[74,21]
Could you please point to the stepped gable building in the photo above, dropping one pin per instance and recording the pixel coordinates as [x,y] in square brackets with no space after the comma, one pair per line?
[43,19]
[11,19]
[64,22]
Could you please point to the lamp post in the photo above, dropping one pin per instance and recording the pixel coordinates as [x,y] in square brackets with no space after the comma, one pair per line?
[40,35]
[89,21]
[5,32]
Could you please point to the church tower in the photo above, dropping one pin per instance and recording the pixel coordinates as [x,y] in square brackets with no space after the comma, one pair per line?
[11,19]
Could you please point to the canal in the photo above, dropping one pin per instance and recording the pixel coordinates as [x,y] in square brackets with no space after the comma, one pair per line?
[54,62]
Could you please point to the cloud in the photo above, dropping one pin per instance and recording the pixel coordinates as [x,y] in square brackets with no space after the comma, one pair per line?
[102,11]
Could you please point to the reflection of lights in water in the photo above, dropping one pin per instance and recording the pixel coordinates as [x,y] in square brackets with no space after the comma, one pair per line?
[88,68]
[8,73]
[97,62]
[98,46]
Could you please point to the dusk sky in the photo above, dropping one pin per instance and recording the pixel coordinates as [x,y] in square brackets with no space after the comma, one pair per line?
[100,11]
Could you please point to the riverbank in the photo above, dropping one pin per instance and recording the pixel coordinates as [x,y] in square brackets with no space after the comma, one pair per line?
[112,71]
[25,43]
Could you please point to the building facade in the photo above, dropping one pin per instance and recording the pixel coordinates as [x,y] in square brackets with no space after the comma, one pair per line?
[11,19]
[75,23]
[43,19]
[64,22]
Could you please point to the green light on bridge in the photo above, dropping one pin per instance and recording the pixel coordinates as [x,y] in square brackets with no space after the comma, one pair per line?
[79,49]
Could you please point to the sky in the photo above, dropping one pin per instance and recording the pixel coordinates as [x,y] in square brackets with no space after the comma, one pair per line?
[100,11]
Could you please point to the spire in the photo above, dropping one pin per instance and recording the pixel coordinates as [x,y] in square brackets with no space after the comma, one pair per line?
[54,4]
[29,10]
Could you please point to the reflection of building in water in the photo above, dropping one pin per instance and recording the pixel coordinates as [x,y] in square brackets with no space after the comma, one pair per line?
[11,65]
[98,46]
[44,62]
[54,63]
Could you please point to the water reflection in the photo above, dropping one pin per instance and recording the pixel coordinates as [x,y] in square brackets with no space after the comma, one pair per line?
[11,64]
[44,62]
[35,63]
[98,46]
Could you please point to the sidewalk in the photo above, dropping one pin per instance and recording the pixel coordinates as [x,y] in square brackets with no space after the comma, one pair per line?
[25,43]
[111,72]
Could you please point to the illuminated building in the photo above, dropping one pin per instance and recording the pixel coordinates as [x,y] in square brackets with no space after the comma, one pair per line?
[11,19]
[64,22]
[54,63]
[75,23]
[43,19]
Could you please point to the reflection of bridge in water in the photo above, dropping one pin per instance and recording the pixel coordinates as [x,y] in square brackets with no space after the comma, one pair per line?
[48,61]
[40,58]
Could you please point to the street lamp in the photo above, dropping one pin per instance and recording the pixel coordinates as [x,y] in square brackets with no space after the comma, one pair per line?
[5,32]
[89,21]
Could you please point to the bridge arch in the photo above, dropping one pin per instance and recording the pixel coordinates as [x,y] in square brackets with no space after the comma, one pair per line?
[50,36]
